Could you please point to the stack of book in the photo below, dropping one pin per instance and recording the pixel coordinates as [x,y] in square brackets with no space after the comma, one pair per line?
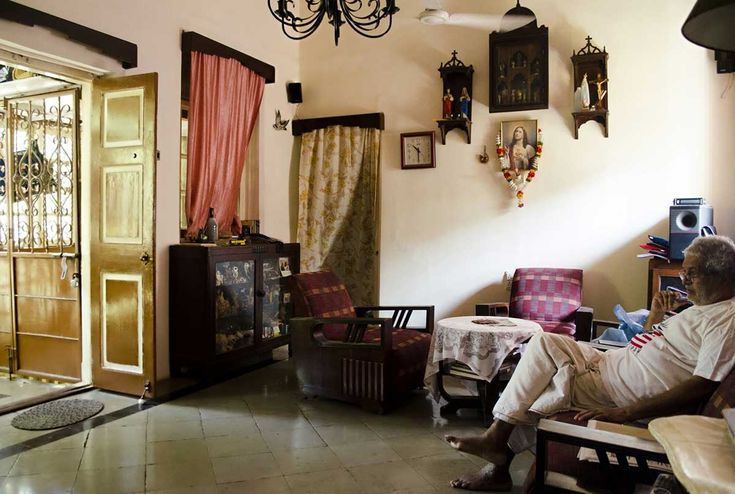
[656,247]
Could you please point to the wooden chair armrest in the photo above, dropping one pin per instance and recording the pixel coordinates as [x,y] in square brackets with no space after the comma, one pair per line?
[501,309]
[313,325]
[585,436]
[402,315]
[622,446]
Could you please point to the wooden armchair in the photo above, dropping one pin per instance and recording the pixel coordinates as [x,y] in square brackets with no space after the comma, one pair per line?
[349,353]
[558,440]
[551,297]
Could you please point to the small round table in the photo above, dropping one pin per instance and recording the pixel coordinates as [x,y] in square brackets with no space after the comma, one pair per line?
[481,343]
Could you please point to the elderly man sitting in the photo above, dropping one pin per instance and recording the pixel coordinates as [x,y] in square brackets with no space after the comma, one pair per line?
[675,364]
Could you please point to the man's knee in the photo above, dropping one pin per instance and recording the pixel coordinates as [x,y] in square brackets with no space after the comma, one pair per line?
[543,341]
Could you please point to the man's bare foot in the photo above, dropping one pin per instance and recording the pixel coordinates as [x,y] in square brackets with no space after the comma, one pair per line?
[489,478]
[479,446]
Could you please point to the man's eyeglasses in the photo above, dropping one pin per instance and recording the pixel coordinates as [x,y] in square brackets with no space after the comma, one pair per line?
[689,274]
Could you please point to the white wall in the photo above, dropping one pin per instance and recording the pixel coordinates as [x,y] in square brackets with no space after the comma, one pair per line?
[156,26]
[449,233]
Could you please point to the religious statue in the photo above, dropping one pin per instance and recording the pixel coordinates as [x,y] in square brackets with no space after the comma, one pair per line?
[600,92]
[464,103]
[584,88]
[447,104]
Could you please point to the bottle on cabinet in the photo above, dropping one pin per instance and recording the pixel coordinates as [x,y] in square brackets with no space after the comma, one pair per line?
[210,227]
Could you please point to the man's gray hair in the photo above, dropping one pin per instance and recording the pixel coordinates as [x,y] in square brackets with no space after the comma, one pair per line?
[716,255]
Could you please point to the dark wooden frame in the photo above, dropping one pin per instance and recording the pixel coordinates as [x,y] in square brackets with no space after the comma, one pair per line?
[428,133]
[192,41]
[362,120]
[522,38]
[123,51]
[456,75]
[591,59]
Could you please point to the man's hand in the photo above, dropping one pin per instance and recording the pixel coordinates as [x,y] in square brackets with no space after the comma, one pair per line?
[619,415]
[663,302]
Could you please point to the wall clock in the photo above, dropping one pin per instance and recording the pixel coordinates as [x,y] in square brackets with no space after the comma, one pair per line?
[418,150]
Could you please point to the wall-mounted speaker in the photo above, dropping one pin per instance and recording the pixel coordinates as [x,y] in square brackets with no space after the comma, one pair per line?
[293,92]
[685,222]
[725,61]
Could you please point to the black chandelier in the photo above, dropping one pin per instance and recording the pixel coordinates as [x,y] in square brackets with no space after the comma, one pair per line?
[367,17]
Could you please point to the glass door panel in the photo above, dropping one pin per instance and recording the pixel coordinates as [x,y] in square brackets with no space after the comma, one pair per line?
[234,305]
[275,300]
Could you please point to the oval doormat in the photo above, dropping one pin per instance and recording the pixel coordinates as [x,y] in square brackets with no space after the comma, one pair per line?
[56,414]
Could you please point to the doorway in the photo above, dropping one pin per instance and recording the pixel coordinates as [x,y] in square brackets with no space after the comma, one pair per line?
[41,341]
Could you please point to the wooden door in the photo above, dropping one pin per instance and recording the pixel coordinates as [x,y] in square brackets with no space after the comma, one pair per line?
[39,234]
[123,132]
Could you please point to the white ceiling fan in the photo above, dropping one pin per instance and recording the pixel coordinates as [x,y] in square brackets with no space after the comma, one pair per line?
[435,15]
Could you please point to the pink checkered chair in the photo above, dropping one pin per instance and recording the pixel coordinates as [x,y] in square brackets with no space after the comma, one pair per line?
[351,353]
[551,297]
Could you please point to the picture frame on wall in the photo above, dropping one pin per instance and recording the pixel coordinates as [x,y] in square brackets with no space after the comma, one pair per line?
[418,150]
[519,138]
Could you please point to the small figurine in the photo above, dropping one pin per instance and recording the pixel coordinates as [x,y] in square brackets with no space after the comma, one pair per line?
[464,103]
[600,92]
[585,92]
[447,104]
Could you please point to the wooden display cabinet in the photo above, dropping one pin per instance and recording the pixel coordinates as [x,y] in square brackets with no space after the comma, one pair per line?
[229,305]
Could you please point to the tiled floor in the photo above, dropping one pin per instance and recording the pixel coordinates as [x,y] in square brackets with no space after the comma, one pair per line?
[252,434]
[16,389]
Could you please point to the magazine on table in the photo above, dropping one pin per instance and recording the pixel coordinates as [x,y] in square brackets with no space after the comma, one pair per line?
[496,322]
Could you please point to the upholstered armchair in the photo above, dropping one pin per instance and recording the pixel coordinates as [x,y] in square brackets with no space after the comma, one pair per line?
[350,353]
[551,297]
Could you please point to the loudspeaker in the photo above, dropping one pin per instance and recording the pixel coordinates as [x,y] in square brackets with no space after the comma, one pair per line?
[725,61]
[685,222]
[293,92]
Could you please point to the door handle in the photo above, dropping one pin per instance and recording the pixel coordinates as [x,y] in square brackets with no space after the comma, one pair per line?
[146,258]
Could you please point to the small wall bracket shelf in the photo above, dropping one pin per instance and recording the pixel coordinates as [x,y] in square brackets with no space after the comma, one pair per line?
[456,98]
[590,65]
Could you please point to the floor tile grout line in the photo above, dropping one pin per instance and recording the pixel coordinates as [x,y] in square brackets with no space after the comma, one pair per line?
[124,412]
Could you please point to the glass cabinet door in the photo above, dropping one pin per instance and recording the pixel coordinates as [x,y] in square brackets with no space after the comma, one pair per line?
[276,301]
[234,305]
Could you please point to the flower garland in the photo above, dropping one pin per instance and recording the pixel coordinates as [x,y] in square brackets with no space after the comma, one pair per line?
[519,182]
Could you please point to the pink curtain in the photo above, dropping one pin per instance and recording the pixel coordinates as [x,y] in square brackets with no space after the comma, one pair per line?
[224,100]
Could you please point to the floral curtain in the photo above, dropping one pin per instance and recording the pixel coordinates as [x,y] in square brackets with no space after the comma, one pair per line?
[338,206]
[225,99]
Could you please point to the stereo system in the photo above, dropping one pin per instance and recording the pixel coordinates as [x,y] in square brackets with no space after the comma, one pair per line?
[686,218]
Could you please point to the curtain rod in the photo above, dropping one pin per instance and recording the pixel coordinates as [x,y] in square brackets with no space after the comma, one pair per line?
[364,120]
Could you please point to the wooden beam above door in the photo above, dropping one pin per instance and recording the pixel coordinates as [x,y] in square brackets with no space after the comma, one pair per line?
[123,51]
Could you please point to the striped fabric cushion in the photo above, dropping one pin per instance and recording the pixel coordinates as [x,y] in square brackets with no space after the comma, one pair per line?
[558,327]
[322,294]
[410,351]
[546,294]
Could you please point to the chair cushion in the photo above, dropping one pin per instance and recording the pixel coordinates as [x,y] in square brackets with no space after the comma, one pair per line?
[548,294]
[322,294]
[558,327]
[410,351]
[723,397]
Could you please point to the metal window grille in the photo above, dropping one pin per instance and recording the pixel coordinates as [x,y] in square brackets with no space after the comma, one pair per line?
[38,173]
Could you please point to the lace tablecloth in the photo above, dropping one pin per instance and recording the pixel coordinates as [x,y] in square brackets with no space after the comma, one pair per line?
[482,345]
